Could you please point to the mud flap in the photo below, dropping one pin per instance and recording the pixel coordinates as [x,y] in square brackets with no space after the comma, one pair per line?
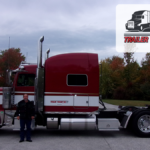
[1,118]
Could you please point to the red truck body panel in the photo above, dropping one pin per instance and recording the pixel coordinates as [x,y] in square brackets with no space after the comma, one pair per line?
[29,69]
[58,67]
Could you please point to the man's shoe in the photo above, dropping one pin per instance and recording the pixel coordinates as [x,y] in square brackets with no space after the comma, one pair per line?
[21,141]
[29,140]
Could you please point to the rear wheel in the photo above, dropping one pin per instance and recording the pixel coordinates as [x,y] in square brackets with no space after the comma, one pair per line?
[141,123]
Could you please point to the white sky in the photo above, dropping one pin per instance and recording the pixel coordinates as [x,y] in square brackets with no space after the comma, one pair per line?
[67,25]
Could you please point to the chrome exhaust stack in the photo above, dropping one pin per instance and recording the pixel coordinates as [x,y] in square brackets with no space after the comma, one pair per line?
[39,80]
[39,59]
[47,54]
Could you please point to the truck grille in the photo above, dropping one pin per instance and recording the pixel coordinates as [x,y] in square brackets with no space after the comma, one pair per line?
[131,24]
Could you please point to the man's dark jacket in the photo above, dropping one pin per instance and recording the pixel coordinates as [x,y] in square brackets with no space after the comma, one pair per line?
[25,109]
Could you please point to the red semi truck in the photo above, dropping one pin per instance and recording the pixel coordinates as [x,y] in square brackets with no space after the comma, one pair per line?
[65,91]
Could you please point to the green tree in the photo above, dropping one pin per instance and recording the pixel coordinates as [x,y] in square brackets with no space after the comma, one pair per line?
[129,59]
[145,69]
[117,65]
[145,87]
[106,83]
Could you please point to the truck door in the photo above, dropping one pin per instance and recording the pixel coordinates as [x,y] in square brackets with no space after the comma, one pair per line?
[76,81]
[24,84]
[81,102]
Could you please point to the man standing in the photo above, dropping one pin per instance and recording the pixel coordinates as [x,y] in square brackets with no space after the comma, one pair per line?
[25,113]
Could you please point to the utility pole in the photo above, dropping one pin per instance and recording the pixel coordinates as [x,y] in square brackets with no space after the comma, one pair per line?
[9,43]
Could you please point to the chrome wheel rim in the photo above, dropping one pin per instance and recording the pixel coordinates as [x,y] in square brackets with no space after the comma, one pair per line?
[144,123]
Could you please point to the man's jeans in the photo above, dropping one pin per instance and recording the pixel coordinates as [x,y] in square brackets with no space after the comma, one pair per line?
[24,122]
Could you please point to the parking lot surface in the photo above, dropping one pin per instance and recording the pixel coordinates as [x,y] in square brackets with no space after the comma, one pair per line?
[73,140]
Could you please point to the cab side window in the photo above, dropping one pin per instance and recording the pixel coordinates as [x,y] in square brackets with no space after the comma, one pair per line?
[26,80]
[77,80]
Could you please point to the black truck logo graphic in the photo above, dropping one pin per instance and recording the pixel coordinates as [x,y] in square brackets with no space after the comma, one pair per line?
[140,21]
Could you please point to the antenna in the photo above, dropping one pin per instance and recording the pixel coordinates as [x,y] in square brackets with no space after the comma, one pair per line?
[9,43]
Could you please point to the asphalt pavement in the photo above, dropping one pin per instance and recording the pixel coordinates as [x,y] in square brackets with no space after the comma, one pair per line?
[44,139]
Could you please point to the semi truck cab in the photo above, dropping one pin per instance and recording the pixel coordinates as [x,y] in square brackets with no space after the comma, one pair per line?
[140,21]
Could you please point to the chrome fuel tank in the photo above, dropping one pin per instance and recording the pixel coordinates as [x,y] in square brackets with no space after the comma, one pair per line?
[88,123]
[7,97]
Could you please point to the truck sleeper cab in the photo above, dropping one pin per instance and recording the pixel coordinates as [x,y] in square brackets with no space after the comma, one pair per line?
[72,83]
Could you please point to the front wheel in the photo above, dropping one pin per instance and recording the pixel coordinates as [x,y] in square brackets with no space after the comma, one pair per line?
[141,123]
[141,28]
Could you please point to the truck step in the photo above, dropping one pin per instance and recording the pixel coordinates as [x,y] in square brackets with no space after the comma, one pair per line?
[108,130]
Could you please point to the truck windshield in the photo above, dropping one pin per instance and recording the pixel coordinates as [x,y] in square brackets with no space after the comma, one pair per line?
[137,16]
[26,80]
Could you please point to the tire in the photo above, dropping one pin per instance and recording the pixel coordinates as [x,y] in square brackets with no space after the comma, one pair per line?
[141,123]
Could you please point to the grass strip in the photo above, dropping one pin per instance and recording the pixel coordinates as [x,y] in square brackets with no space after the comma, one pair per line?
[127,102]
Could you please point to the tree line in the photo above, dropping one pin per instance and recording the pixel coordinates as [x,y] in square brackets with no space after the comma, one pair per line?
[124,78]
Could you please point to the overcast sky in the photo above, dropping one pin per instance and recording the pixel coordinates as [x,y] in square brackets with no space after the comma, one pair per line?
[67,25]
